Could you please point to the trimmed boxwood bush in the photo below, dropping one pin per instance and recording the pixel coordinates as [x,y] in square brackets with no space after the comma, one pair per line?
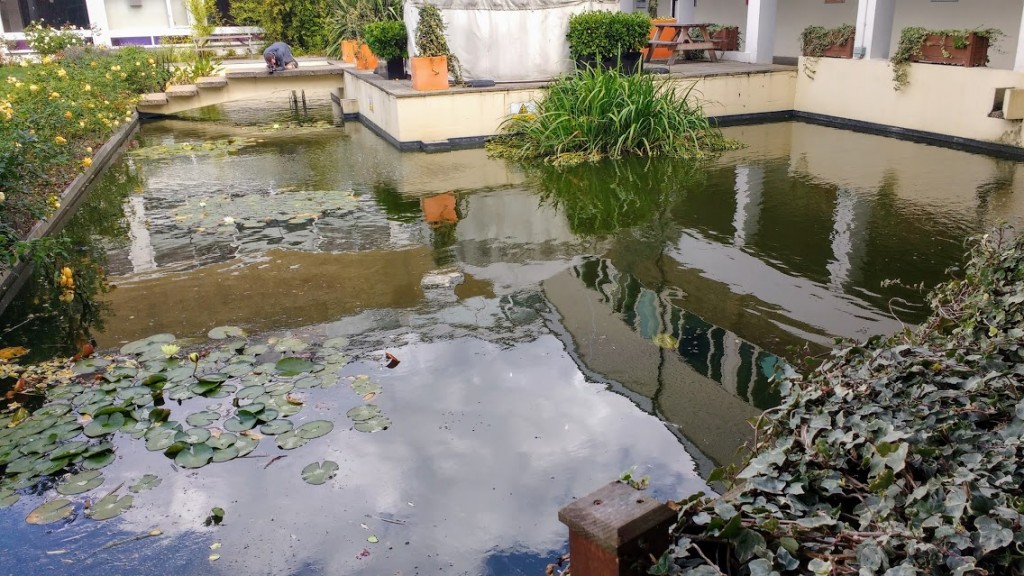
[603,34]
[387,39]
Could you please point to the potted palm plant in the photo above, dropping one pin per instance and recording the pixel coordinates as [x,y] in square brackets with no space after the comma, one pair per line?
[389,41]
[433,62]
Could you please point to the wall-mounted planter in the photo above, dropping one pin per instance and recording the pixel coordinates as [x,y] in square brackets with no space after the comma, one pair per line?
[939,49]
[429,72]
[844,50]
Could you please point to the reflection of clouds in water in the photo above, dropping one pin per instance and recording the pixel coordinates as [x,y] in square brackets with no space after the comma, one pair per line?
[487,443]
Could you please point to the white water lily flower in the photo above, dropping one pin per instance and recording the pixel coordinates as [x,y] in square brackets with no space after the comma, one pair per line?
[169,349]
[229,220]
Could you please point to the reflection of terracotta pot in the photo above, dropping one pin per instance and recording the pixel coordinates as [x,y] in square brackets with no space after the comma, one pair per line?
[429,72]
[439,209]
[348,51]
[365,60]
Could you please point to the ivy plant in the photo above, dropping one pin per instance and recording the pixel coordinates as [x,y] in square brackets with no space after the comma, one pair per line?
[912,41]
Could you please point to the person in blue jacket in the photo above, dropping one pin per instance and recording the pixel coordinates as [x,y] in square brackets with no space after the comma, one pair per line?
[278,56]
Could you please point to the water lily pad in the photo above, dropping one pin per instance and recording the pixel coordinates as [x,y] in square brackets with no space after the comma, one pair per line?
[280,388]
[204,418]
[314,429]
[241,422]
[8,498]
[221,441]
[275,427]
[179,393]
[67,431]
[46,466]
[293,366]
[139,346]
[257,349]
[319,472]
[50,512]
[238,369]
[68,450]
[307,382]
[195,456]
[289,345]
[105,424]
[290,441]
[339,343]
[267,415]
[246,445]
[365,412]
[250,392]
[147,482]
[80,483]
[222,332]
[109,506]
[363,386]
[158,415]
[193,436]
[98,461]
[225,454]
[98,449]
[39,444]
[160,439]
[55,409]
[89,365]
[375,424]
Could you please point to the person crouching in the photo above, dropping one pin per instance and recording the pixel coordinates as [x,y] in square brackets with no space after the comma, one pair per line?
[278,56]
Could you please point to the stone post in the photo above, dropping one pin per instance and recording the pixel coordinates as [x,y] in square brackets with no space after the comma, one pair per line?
[615,530]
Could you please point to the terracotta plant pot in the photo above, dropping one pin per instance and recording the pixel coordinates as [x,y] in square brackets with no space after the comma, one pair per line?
[365,60]
[348,51]
[429,72]
[939,49]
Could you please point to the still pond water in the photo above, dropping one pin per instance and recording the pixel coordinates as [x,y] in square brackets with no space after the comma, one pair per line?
[554,328]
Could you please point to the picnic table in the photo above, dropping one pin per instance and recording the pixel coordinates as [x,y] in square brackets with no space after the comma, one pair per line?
[679,40]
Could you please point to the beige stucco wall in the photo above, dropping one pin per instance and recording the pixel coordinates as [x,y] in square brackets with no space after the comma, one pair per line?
[1002,14]
[744,93]
[795,15]
[943,99]
[121,16]
[457,114]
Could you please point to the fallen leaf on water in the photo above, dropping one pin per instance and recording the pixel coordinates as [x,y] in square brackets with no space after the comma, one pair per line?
[365,527]
[215,546]
[370,396]
[214,557]
[364,554]
[12,352]
[392,360]
[155,532]
[294,400]
[372,539]
[84,419]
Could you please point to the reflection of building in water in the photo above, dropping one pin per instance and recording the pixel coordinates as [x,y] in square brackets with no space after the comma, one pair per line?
[713,352]
[707,386]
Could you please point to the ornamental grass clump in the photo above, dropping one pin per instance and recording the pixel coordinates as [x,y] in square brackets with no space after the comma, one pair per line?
[902,456]
[606,114]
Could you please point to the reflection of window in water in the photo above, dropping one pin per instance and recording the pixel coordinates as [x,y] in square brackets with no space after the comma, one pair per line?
[711,351]
[17,14]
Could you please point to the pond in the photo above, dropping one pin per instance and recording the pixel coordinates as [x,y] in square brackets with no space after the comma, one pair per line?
[485,343]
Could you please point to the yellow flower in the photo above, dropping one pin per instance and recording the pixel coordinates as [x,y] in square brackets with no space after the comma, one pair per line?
[19,84]
[24,64]
[81,123]
[151,61]
[2,197]
[87,87]
[62,73]
[93,63]
[68,114]
[47,60]
[12,80]
[88,149]
[87,161]
[33,88]
[54,95]
[60,140]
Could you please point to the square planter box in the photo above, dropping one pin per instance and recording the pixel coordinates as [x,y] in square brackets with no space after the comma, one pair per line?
[936,48]
[844,50]
[727,39]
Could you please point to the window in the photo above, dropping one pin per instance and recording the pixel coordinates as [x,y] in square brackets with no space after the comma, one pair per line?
[17,14]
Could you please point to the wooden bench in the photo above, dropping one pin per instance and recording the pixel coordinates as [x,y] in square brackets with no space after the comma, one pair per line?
[685,47]
[679,40]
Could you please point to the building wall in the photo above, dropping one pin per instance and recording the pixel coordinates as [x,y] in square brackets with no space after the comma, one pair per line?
[940,99]
[121,16]
[795,15]
[1002,14]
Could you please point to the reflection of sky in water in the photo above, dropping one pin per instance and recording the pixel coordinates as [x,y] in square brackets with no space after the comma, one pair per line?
[489,440]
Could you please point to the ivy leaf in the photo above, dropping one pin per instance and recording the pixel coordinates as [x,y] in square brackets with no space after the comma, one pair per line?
[749,543]
[991,534]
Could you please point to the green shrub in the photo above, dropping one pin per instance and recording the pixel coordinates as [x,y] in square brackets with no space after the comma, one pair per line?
[347,19]
[387,39]
[47,40]
[302,24]
[603,113]
[605,34]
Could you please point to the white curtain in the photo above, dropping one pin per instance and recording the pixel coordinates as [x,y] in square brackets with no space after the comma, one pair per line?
[507,40]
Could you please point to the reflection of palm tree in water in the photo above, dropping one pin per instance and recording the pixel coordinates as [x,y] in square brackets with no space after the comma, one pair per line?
[710,350]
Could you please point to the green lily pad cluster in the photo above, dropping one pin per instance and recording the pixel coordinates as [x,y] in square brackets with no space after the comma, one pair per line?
[368,417]
[253,390]
[214,148]
[898,457]
[257,210]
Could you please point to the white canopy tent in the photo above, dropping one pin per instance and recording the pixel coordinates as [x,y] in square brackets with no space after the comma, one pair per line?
[507,40]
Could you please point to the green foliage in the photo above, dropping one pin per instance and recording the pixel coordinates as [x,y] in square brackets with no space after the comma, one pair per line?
[899,456]
[603,113]
[715,28]
[604,34]
[387,39]
[815,40]
[912,41]
[348,18]
[52,116]
[205,17]
[48,41]
[302,24]
[430,40]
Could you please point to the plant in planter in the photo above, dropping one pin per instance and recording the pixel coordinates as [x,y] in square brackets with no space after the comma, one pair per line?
[818,41]
[348,19]
[609,39]
[726,37]
[955,47]
[434,61]
[389,41]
